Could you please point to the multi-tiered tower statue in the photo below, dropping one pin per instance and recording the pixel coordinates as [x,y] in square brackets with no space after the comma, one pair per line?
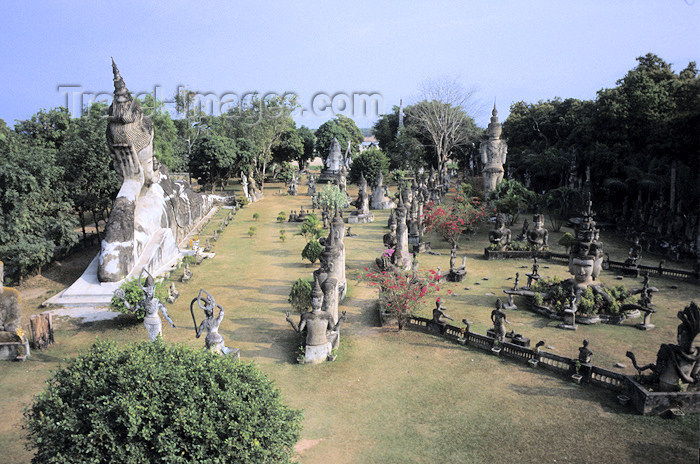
[493,154]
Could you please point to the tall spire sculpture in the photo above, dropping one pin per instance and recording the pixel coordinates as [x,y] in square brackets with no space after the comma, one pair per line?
[493,154]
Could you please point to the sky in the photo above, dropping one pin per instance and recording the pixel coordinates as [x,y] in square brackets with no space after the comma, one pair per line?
[333,55]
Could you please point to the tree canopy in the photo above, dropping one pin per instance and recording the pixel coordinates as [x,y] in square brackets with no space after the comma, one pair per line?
[342,128]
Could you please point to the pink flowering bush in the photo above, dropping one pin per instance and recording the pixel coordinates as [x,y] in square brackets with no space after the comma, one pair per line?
[400,293]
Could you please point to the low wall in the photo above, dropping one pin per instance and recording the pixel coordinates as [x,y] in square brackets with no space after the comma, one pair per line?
[644,401]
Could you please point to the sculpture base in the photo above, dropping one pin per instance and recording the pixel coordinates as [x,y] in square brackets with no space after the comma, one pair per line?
[359,218]
[645,326]
[456,275]
[316,354]
[567,326]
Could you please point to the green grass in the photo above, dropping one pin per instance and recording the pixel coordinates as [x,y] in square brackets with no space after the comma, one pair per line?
[398,397]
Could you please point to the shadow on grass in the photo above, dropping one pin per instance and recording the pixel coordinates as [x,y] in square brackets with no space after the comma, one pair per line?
[273,342]
[652,452]
[121,322]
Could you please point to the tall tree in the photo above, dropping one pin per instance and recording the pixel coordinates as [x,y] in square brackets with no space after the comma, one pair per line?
[47,128]
[443,114]
[165,137]
[90,181]
[342,128]
[35,215]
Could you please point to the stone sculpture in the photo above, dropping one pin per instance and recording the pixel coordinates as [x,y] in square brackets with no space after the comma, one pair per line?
[14,345]
[322,333]
[213,341]
[645,305]
[498,317]
[493,154]
[151,213]
[584,353]
[457,273]
[363,214]
[331,274]
[186,273]
[173,294]
[312,185]
[586,253]
[676,365]
[438,315]
[538,236]
[292,186]
[401,257]
[380,197]
[253,190]
[500,235]
[150,303]
[534,275]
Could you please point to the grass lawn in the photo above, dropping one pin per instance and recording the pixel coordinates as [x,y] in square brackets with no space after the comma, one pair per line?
[393,397]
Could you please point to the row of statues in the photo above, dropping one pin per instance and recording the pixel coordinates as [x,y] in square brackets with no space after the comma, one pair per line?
[537,236]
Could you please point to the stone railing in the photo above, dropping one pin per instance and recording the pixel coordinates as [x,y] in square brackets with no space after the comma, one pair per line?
[628,390]
[619,266]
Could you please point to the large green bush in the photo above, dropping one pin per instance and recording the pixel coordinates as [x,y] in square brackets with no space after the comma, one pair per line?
[133,294]
[153,402]
[369,164]
[312,251]
[300,295]
[331,197]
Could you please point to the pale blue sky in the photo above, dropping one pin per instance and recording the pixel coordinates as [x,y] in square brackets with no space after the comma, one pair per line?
[507,50]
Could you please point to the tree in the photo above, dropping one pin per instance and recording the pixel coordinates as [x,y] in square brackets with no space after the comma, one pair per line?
[153,402]
[214,160]
[369,164]
[35,214]
[312,250]
[300,295]
[311,228]
[263,122]
[561,204]
[91,183]
[309,140]
[443,115]
[342,128]
[331,197]
[511,197]
[289,148]
[455,217]
[165,134]
[192,121]
[46,128]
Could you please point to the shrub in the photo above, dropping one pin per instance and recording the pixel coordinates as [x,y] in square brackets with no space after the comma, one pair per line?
[369,164]
[300,295]
[281,217]
[331,197]
[252,231]
[566,240]
[311,228]
[153,402]
[256,216]
[133,294]
[400,294]
[312,251]
[283,235]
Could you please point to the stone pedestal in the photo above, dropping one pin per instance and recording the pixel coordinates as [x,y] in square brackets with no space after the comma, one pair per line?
[359,218]
[569,321]
[315,354]
[456,275]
